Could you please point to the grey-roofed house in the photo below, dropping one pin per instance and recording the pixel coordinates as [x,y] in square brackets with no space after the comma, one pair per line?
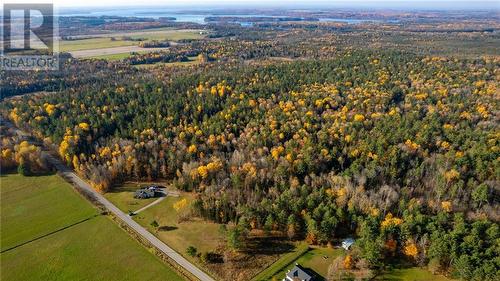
[144,194]
[297,273]
[148,192]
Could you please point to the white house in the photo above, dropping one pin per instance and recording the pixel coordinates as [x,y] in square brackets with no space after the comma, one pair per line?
[297,274]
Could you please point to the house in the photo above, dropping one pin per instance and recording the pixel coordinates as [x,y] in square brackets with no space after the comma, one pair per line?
[347,243]
[148,192]
[144,193]
[297,273]
[153,187]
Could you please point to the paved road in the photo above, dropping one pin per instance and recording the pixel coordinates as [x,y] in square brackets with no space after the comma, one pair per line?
[84,186]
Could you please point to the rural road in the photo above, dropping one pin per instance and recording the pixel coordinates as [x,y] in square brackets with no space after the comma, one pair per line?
[85,187]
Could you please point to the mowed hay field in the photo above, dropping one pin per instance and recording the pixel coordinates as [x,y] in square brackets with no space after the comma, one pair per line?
[103,41]
[82,246]
[35,206]
[92,43]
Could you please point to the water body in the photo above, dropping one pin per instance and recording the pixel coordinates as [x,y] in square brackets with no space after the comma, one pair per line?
[158,13]
[185,16]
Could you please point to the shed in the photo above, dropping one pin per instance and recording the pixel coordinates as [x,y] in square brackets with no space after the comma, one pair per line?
[347,243]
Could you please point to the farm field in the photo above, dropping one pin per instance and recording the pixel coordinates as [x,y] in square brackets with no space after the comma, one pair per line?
[69,240]
[92,43]
[103,41]
[35,206]
[151,34]
[102,251]
[114,53]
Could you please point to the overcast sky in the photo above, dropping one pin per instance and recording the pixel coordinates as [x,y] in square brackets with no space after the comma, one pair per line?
[439,4]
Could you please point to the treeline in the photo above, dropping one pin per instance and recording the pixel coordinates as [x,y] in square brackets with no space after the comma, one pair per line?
[18,154]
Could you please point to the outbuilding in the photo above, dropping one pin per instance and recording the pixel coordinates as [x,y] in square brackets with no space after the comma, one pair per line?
[347,243]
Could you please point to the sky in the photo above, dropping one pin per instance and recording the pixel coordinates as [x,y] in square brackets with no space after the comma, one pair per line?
[397,4]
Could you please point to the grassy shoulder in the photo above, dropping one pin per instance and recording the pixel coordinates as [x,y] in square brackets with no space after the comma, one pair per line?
[93,250]
[35,206]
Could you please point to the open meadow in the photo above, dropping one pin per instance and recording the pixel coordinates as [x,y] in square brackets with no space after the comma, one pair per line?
[116,43]
[49,232]
[32,207]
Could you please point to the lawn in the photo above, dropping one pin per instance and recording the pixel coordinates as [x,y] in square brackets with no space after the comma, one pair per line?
[283,262]
[123,198]
[411,274]
[313,259]
[203,235]
[94,250]
[35,206]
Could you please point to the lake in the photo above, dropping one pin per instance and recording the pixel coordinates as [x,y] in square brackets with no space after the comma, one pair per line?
[180,15]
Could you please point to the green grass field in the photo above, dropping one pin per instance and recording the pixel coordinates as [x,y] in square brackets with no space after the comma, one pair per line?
[313,259]
[104,40]
[161,34]
[203,235]
[92,43]
[112,57]
[61,236]
[35,206]
[411,274]
[94,250]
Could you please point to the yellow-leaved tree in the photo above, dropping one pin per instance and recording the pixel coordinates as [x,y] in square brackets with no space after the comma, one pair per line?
[180,205]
